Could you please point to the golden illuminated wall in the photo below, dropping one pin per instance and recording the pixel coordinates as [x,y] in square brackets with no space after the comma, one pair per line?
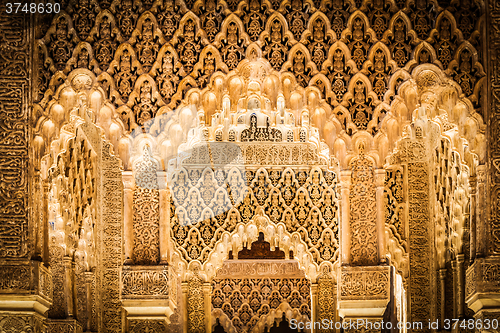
[144,143]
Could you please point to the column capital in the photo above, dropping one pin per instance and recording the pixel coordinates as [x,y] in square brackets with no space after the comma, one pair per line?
[482,287]
[162,180]
[25,285]
[380,177]
[345,178]
[128,180]
[371,295]
[146,292]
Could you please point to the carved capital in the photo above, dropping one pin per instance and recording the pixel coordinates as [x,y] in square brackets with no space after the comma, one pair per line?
[64,326]
[148,291]
[128,180]
[411,150]
[483,284]
[379,177]
[345,179]
[146,325]
[150,282]
[25,280]
[487,317]
[10,322]
[364,290]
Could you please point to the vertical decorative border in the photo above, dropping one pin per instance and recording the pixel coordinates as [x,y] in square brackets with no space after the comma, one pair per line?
[493,123]
[110,242]
[327,300]
[195,305]
[363,214]
[420,243]
[15,32]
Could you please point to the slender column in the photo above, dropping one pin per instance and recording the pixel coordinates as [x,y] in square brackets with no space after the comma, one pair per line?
[38,217]
[91,301]
[184,300]
[164,217]
[207,293]
[45,220]
[379,183]
[314,301]
[128,214]
[480,212]
[459,301]
[455,288]
[68,286]
[442,300]
[345,240]
[88,304]
[472,216]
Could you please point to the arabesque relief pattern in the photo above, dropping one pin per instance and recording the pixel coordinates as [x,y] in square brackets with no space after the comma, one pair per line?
[304,201]
[248,296]
[148,55]
[146,212]
[362,199]
[14,92]
[494,123]
[294,86]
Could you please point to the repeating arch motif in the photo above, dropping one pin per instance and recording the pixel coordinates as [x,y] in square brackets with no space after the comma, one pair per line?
[305,202]
[181,45]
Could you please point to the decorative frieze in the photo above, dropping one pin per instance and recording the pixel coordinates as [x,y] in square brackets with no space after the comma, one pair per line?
[259,268]
[147,325]
[14,92]
[15,278]
[482,278]
[64,326]
[250,154]
[366,289]
[420,243]
[26,277]
[14,323]
[195,305]
[365,283]
[146,282]
[110,237]
[326,299]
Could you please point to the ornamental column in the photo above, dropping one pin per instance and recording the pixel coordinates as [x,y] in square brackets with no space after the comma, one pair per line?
[128,212]
[345,239]
[380,183]
[365,286]
[324,296]
[146,284]
[164,217]
[483,276]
